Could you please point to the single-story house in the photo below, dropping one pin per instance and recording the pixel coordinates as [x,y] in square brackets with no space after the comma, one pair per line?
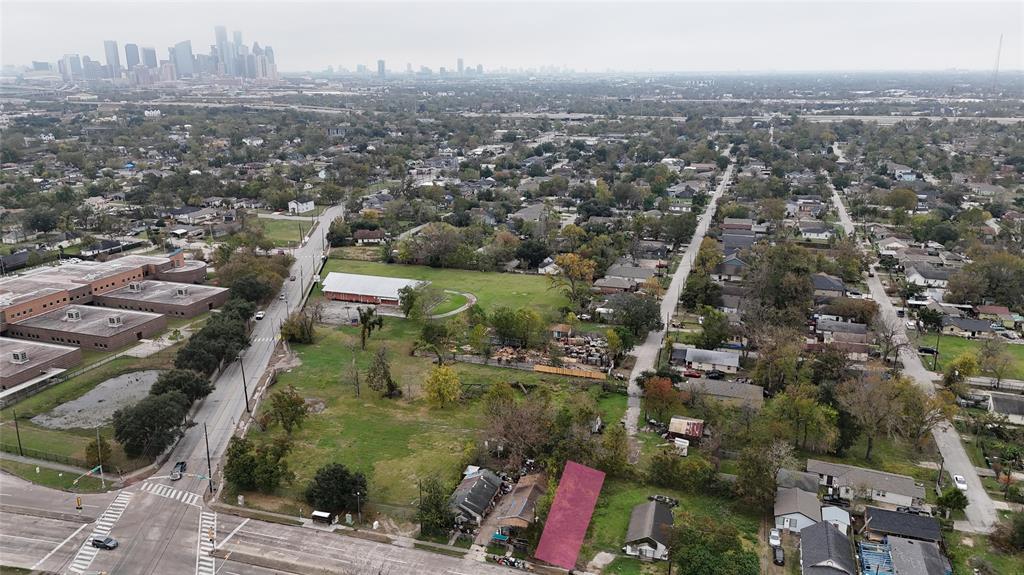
[879,523]
[607,285]
[796,509]
[705,359]
[913,557]
[650,528]
[730,270]
[737,224]
[570,514]
[787,478]
[686,428]
[359,288]
[851,482]
[628,272]
[996,313]
[926,275]
[815,231]
[734,241]
[363,237]
[828,286]
[517,510]
[732,393]
[300,206]
[967,327]
[837,516]
[473,497]
[892,244]
[827,328]
[824,550]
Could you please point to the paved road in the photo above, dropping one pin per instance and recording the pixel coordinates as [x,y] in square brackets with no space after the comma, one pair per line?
[647,352]
[981,513]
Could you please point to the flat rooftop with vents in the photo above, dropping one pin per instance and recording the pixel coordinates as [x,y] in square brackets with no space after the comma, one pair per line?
[89,326]
[171,298]
[22,361]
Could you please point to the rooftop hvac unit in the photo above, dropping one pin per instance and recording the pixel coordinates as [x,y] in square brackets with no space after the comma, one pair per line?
[19,356]
[135,286]
[182,291]
[114,321]
[73,315]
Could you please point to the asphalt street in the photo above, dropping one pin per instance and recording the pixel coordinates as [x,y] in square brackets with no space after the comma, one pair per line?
[981,513]
[647,352]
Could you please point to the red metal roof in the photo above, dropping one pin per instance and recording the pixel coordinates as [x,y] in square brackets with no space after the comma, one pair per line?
[570,515]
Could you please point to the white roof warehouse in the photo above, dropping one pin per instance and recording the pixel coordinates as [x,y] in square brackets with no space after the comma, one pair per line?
[365,289]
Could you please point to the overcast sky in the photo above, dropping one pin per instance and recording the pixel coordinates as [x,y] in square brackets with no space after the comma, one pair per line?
[586,36]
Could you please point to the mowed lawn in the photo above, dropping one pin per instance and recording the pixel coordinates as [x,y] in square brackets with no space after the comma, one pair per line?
[395,443]
[492,289]
[951,347]
[284,232]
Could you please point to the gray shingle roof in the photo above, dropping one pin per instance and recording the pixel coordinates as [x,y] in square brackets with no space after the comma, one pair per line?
[902,524]
[795,500]
[910,557]
[793,478]
[824,550]
[858,477]
[651,520]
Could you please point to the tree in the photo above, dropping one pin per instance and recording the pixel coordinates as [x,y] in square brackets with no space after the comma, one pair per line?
[994,359]
[716,328]
[1009,534]
[288,408]
[758,467]
[152,424]
[442,386]
[193,385]
[953,500]
[378,377]
[574,278]
[958,371]
[532,252]
[660,396]
[98,453]
[300,326]
[339,232]
[778,355]
[875,403]
[931,319]
[334,488]
[638,313]
[798,405]
[368,321]
[253,287]
[434,513]
[523,429]
[923,412]
[498,400]
[614,458]
[251,467]
[890,339]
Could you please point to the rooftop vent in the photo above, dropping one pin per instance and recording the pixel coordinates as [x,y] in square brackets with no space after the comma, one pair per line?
[73,315]
[19,356]
[182,291]
[135,286]
[114,321]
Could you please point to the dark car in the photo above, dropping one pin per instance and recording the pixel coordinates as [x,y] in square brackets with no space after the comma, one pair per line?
[927,350]
[107,543]
[664,499]
[715,374]
[778,556]
[691,373]
[914,511]
[179,470]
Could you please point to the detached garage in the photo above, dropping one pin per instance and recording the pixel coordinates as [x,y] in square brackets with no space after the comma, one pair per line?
[358,288]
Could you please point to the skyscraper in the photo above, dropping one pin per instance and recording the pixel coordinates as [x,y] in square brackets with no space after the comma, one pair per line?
[70,67]
[113,58]
[182,58]
[149,57]
[462,68]
[224,51]
[380,68]
[131,56]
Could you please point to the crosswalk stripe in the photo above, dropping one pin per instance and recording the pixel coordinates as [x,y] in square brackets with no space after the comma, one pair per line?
[168,492]
[86,553]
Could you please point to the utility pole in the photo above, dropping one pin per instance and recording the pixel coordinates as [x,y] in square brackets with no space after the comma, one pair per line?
[209,466]
[935,360]
[99,458]
[245,388]
[17,432]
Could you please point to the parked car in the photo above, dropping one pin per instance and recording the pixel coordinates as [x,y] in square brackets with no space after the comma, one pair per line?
[179,470]
[775,538]
[927,350]
[911,324]
[281,297]
[260,315]
[914,511]
[291,278]
[715,374]
[107,543]
[664,499]
[691,373]
[779,556]
[960,482]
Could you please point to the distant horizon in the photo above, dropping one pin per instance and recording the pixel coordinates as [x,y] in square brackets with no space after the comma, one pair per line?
[767,36]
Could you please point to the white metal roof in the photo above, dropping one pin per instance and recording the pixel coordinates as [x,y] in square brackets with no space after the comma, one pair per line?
[374,286]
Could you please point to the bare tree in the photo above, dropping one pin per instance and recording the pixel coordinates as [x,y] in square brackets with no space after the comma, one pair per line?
[890,339]
[994,359]
[875,403]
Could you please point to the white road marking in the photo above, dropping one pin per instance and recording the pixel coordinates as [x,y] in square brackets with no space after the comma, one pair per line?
[61,544]
[168,492]
[83,559]
[232,534]
[205,564]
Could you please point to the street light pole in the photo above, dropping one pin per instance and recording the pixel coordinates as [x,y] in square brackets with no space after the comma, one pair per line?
[359,509]
[245,388]
[209,465]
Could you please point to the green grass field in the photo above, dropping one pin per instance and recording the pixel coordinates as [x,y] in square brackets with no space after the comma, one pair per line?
[394,442]
[52,478]
[284,232]
[611,516]
[951,346]
[451,302]
[964,556]
[491,289]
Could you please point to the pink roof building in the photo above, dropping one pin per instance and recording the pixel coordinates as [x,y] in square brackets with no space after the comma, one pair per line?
[570,515]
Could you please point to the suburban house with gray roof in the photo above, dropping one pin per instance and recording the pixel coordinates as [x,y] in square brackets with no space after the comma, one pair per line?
[796,509]
[911,557]
[705,359]
[967,327]
[880,523]
[650,527]
[851,482]
[826,551]
[474,496]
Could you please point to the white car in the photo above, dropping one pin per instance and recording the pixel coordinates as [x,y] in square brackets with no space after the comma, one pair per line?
[775,538]
[911,325]
[960,482]
[260,315]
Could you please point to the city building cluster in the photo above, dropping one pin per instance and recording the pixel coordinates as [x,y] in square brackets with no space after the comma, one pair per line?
[141,65]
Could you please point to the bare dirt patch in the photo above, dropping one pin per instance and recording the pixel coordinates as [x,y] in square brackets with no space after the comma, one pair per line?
[97,407]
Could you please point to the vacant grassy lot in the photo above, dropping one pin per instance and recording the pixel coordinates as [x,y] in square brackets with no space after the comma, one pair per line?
[950,347]
[611,517]
[491,289]
[451,302]
[394,442]
[965,557]
[52,478]
[284,232]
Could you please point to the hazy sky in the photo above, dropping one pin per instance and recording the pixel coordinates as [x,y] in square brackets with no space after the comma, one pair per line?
[594,36]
